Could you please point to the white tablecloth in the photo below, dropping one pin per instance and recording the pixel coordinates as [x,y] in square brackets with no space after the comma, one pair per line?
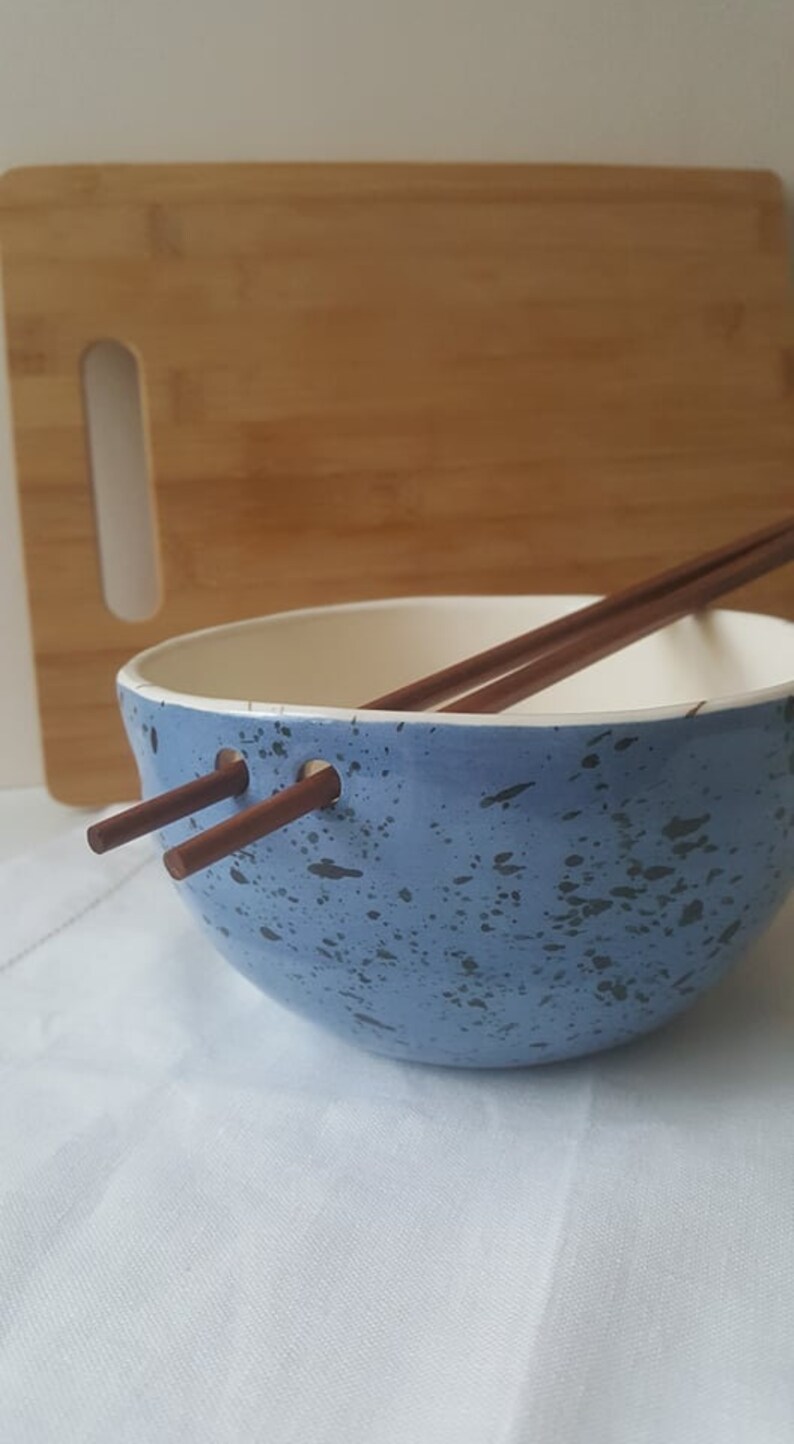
[217,1224]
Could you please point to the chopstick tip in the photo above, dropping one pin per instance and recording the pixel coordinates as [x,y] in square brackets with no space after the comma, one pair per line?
[95,838]
[174,865]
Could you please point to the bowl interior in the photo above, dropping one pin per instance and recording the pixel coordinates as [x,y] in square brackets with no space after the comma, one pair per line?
[338,657]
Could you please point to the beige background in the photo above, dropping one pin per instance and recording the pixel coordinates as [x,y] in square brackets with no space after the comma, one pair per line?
[476,79]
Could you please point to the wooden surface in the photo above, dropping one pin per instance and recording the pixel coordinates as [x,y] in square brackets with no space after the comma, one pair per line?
[379,380]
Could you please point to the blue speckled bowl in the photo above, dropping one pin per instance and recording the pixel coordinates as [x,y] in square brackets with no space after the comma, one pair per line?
[494,891]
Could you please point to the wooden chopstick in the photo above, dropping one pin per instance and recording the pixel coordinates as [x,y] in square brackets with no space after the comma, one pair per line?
[181,802]
[628,625]
[318,790]
[227,780]
[482,666]
[666,598]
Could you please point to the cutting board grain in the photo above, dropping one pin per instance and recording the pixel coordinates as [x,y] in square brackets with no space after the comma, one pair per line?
[376,380]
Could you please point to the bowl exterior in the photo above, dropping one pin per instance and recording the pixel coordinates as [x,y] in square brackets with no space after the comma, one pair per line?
[490,896]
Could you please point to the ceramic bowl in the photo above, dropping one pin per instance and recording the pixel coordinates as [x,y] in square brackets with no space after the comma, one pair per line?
[489,891]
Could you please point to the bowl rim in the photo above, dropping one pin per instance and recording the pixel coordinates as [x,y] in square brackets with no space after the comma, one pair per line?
[129,678]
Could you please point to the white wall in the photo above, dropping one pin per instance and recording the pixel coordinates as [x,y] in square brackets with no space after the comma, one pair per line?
[706,82]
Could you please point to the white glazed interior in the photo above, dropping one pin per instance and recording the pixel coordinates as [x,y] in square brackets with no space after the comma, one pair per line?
[330,660]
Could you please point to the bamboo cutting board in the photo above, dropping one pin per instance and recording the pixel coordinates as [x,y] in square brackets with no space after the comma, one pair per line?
[377,380]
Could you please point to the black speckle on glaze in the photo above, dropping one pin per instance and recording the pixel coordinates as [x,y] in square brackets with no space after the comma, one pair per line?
[270,935]
[728,933]
[373,1022]
[154,741]
[616,990]
[506,795]
[692,913]
[237,876]
[683,826]
[332,871]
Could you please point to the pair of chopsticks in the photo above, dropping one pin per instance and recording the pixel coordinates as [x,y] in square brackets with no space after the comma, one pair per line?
[501,677]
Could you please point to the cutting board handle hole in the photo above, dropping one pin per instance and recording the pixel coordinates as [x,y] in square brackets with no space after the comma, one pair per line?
[124,507]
